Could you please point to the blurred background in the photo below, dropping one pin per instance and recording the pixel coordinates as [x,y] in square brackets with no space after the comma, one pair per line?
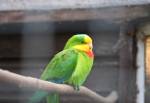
[32,34]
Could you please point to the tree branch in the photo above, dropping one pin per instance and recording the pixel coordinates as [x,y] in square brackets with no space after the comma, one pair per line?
[29,82]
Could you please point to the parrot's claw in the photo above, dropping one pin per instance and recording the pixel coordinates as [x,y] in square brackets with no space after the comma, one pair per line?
[76,88]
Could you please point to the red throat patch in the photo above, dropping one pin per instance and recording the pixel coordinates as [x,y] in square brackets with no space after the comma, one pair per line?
[90,54]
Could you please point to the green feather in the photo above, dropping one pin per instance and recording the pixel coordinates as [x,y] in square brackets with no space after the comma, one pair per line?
[58,70]
[83,67]
[53,98]
[75,40]
[61,66]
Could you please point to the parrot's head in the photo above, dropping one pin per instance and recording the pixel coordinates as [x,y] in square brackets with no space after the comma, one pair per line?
[81,42]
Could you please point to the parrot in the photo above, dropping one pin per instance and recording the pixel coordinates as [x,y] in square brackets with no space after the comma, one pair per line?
[70,66]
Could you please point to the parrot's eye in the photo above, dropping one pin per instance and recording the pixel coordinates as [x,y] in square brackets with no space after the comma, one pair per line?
[82,42]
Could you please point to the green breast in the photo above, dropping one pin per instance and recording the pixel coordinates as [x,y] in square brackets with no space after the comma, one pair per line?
[82,69]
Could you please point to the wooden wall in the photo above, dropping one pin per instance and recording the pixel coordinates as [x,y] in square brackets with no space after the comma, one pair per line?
[27,48]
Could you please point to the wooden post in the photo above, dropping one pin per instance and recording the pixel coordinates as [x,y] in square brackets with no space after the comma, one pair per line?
[147,68]
[140,78]
[143,57]
[126,72]
[147,59]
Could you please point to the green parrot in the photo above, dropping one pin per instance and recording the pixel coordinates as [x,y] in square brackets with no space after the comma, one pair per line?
[70,66]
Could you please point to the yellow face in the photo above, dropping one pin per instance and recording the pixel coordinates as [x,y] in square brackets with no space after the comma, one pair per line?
[86,46]
[87,39]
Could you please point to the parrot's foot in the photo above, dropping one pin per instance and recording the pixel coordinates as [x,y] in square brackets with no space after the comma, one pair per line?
[76,88]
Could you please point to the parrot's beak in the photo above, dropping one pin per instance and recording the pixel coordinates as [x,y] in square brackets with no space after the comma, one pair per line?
[90,45]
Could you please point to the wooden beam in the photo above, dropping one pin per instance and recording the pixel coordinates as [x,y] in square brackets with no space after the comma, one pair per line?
[116,14]
[7,5]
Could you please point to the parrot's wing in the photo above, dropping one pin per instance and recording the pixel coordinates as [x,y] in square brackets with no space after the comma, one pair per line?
[61,66]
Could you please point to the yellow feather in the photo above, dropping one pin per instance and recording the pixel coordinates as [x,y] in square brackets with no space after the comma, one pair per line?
[83,47]
[87,39]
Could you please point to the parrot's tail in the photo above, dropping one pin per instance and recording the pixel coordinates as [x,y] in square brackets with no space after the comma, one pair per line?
[40,95]
[53,98]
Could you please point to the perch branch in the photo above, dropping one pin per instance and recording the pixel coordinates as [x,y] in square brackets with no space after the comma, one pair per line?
[29,82]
